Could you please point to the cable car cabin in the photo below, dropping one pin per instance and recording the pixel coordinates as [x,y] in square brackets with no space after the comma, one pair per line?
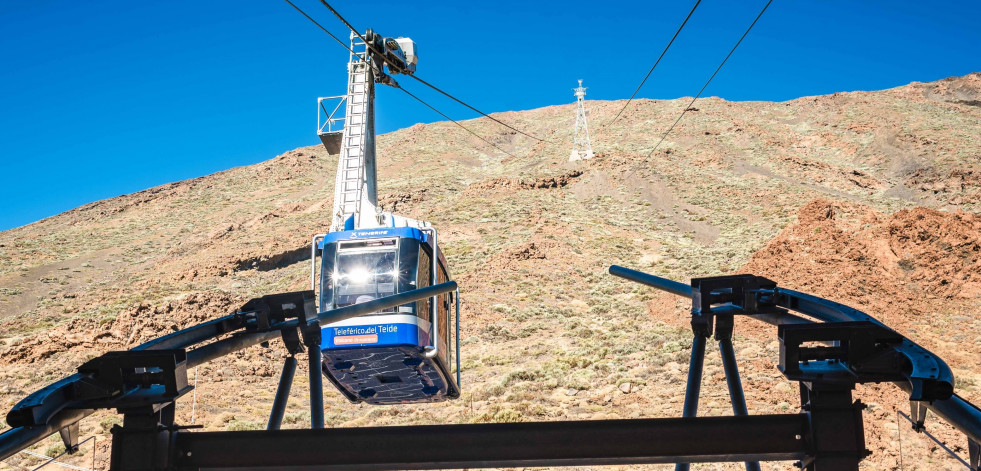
[388,357]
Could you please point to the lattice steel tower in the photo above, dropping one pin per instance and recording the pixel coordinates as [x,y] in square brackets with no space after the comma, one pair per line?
[581,148]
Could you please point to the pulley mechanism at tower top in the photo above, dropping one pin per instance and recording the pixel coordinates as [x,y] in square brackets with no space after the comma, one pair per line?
[399,54]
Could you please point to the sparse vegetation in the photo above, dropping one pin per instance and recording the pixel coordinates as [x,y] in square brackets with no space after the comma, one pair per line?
[547,333]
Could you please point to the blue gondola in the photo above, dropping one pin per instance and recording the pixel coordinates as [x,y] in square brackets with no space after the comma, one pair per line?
[388,357]
[405,354]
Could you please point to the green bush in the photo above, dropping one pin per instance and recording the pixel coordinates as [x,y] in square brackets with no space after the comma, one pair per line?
[54,450]
[507,415]
[240,425]
[107,422]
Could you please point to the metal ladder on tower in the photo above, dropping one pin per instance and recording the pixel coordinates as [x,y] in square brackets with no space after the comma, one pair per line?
[348,193]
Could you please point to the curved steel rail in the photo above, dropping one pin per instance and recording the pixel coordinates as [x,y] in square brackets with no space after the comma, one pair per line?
[959,413]
[52,408]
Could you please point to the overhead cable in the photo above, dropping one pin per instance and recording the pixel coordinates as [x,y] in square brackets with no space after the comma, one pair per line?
[712,77]
[642,82]
[478,136]
[342,43]
[420,100]
[396,67]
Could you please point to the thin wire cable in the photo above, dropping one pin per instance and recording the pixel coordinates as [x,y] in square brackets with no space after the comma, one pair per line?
[349,26]
[476,110]
[420,100]
[194,396]
[454,121]
[712,77]
[943,445]
[396,67]
[649,72]
[55,458]
[899,431]
[342,43]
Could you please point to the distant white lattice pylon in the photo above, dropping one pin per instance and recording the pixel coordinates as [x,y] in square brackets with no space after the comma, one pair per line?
[581,148]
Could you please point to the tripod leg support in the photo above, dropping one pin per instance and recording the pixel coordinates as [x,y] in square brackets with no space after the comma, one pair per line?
[694,386]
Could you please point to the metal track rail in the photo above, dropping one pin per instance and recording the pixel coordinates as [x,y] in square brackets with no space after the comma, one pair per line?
[54,407]
[962,415]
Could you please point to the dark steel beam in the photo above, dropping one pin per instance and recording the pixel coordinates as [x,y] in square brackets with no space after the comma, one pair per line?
[282,393]
[316,387]
[736,395]
[19,438]
[662,284]
[694,386]
[583,443]
[192,335]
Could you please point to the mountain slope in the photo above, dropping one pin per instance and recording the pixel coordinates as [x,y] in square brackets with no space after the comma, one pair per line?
[529,236]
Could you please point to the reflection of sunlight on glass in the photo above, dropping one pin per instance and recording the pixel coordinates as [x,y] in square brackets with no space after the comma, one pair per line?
[359,276]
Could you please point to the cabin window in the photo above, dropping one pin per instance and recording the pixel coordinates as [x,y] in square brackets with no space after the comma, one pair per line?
[443,302]
[364,276]
[424,280]
[326,280]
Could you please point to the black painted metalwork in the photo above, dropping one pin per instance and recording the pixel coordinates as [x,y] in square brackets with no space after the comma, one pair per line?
[314,364]
[735,386]
[694,385]
[67,401]
[851,347]
[707,316]
[974,454]
[580,443]
[282,393]
[826,359]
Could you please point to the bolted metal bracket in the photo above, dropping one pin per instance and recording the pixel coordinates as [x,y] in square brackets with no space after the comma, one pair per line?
[69,436]
[273,309]
[860,352]
[134,379]
[918,414]
[724,296]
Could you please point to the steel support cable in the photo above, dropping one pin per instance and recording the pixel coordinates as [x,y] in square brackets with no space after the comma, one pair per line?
[476,110]
[342,43]
[398,87]
[712,77]
[478,136]
[649,72]
[382,56]
[935,440]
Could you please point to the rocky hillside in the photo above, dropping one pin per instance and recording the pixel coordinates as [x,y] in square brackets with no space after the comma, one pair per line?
[869,198]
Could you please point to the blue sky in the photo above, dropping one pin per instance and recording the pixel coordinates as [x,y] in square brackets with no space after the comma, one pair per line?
[102,98]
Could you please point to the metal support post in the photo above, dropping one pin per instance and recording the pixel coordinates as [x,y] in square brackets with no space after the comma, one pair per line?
[723,333]
[735,388]
[581,148]
[694,376]
[311,334]
[316,389]
[837,434]
[143,442]
[69,436]
[282,393]
[694,383]
[732,378]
